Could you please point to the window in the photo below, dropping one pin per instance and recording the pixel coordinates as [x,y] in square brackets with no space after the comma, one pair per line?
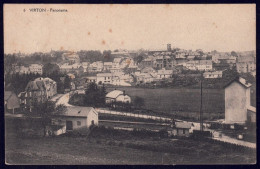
[78,123]
[183,131]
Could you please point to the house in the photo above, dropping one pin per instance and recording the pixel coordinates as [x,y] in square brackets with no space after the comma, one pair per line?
[126,62]
[96,66]
[245,64]
[212,75]
[117,69]
[126,77]
[107,66]
[179,129]
[12,101]
[119,77]
[104,78]
[119,82]
[120,53]
[90,79]
[224,58]
[33,68]
[38,90]
[75,117]
[180,56]
[148,70]
[237,101]
[163,62]
[164,74]
[22,69]
[202,65]
[36,68]
[72,68]
[190,57]
[117,96]
[85,66]
[144,78]
[205,65]
[147,62]
[71,57]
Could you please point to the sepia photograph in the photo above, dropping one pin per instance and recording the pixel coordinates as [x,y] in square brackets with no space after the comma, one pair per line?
[129,84]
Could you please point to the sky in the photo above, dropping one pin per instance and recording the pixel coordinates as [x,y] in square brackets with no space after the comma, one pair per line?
[108,27]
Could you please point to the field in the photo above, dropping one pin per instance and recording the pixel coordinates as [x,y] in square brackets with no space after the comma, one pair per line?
[173,100]
[107,146]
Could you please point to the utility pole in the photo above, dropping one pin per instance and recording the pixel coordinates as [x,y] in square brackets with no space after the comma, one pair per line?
[201,112]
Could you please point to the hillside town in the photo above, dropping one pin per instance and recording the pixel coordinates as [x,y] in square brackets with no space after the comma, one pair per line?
[165,69]
[130,84]
[76,92]
[128,69]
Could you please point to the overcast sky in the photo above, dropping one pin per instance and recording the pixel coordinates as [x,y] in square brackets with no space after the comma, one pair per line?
[103,27]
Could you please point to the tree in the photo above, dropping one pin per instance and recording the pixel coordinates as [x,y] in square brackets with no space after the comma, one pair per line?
[107,56]
[50,68]
[233,53]
[140,57]
[45,111]
[67,82]
[90,56]
[9,62]
[138,102]
[60,109]
[95,96]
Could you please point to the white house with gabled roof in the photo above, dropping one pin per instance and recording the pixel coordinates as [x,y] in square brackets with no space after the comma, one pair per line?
[117,96]
[237,101]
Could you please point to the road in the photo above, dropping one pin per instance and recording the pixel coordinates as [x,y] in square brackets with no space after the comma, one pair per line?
[225,138]
[64,99]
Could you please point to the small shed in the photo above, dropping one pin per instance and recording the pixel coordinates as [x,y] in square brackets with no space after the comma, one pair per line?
[12,101]
[180,129]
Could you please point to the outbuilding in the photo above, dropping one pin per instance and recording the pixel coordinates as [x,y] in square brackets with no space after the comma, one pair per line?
[180,129]
[117,96]
[75,117]
[12,101]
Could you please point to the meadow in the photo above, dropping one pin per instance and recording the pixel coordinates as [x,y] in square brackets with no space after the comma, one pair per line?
[184,100]
[108,146]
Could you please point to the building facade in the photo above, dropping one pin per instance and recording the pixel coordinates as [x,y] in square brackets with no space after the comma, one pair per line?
[237,101]
[38,90]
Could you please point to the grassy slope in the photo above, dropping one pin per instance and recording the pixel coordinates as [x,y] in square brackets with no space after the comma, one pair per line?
[118,147]
[169,100]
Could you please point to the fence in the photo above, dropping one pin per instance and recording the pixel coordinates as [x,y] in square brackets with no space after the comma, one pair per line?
[134,115]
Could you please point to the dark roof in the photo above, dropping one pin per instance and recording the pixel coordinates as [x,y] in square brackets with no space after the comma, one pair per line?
[239,80]
[9,87]
[8,94]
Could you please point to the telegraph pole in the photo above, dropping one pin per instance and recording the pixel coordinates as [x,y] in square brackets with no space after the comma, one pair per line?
[201,112]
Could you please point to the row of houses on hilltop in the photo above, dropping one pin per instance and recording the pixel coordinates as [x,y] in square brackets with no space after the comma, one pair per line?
[33,68]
